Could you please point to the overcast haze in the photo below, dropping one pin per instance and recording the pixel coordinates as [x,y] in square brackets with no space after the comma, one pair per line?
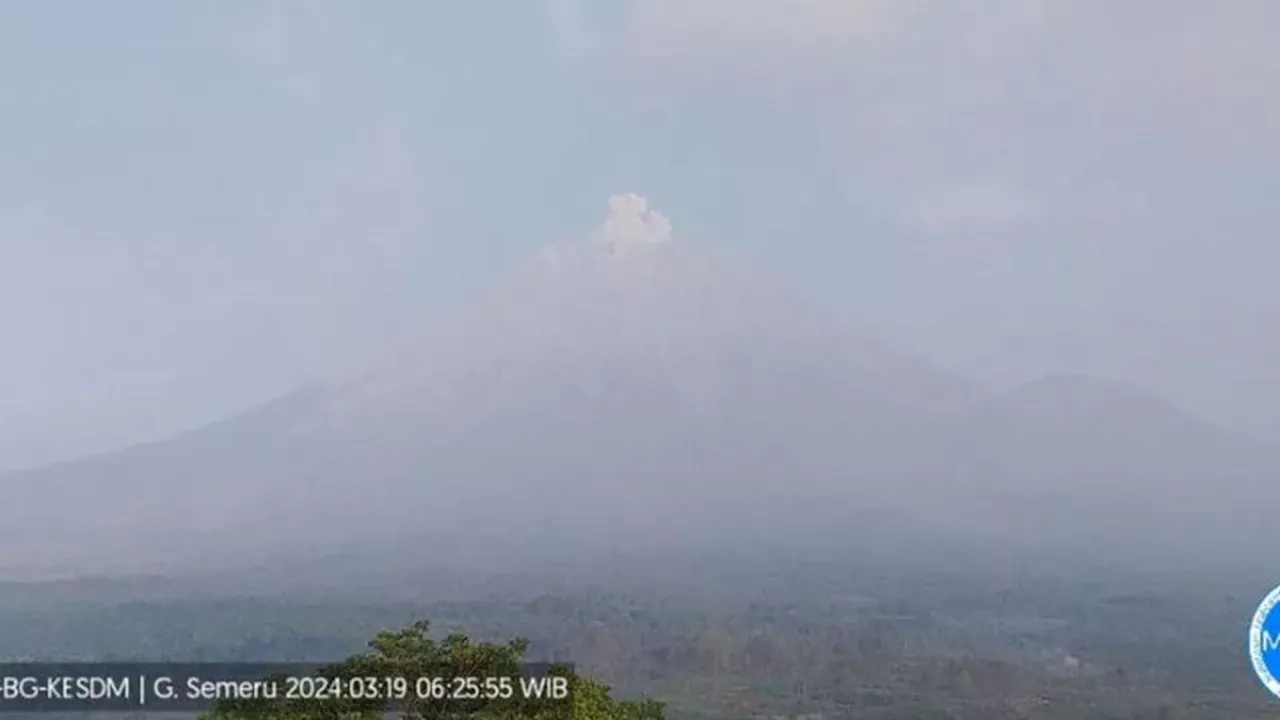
[207,203]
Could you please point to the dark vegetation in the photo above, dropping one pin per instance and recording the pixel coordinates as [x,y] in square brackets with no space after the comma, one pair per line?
[732,637]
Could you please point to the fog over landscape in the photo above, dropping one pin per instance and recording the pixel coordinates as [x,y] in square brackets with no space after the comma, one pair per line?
[627,390]
[769,358]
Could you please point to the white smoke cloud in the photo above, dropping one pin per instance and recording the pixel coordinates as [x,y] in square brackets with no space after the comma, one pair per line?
[631,222]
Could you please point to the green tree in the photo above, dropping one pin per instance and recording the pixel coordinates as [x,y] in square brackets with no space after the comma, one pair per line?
[411,655]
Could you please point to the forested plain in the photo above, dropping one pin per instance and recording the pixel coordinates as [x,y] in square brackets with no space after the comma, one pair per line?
[730,635]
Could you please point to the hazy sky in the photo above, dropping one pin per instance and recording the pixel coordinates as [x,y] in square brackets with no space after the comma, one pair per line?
[207,202]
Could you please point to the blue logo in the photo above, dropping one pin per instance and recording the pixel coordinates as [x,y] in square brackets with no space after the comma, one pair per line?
[1264,642]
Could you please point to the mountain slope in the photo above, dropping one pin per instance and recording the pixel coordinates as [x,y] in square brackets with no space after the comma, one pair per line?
[626,385]
[630,304]
[1081,462]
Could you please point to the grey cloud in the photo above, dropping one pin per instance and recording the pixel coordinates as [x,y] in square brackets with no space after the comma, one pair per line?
[1208,59]
[975,205]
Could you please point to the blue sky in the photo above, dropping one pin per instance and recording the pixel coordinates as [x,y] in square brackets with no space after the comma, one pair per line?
[208,202]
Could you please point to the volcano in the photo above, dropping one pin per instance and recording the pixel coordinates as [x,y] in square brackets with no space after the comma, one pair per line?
[625,389]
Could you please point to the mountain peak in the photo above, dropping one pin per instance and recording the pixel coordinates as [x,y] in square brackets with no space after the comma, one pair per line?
[631,222]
